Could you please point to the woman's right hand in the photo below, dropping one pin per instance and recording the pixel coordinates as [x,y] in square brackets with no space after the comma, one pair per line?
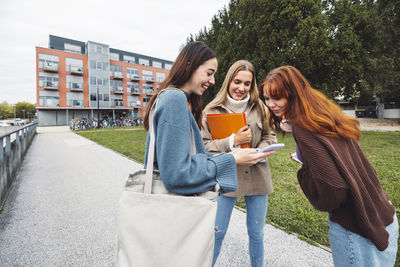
[243,136]
[249,156]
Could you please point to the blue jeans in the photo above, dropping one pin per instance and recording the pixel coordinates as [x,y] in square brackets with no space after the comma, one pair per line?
[351,249]
[256,207]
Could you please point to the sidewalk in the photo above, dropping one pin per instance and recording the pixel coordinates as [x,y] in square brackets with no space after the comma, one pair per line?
[62,211]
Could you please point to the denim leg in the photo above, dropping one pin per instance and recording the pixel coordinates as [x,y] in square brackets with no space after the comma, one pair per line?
[351,249]
[256,207]
[224,212]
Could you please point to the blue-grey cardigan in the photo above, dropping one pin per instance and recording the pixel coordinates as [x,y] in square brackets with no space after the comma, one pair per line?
[181,172]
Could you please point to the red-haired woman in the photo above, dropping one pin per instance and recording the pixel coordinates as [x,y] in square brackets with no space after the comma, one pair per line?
[335,176]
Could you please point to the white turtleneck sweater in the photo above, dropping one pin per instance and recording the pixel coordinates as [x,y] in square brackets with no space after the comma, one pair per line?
[240,106]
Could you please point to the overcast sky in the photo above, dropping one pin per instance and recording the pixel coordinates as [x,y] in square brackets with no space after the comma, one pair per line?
[150,27]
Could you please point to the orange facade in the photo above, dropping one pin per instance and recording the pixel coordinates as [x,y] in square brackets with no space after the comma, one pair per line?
[62,73]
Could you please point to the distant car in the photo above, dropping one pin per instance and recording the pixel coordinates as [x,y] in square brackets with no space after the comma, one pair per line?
[4,124]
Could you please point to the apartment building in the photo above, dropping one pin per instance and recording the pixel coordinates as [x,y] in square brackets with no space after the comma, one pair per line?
[92,80]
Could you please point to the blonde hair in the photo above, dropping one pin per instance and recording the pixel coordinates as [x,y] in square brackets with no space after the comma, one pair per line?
[221,97]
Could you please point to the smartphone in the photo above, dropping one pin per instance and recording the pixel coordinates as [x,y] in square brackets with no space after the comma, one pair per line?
[271,147]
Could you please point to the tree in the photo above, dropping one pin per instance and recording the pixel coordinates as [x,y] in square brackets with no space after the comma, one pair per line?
[25,110]
[346,48]
[270,33]
[6,110]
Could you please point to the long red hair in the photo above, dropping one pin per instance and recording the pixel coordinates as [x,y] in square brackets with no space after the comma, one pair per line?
[307,107]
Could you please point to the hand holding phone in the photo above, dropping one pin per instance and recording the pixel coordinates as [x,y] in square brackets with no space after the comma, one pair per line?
[271,147]
[294,157]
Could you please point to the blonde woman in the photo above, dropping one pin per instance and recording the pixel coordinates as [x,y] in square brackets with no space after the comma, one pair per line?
[239,94]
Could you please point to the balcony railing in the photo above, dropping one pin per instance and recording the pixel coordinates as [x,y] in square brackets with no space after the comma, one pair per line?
[135,91]
[148,91]
[149,79]
[135,77]
[118,104]
[75,103]
[76,87]
[117,90]
[51,85]
[77,70]
[50,66]
[117,75]
[135,104]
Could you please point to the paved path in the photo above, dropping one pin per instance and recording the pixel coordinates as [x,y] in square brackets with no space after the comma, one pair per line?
[62,211]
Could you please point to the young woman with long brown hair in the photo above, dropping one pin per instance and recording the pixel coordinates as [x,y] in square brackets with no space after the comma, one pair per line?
[335,175]
[176,125]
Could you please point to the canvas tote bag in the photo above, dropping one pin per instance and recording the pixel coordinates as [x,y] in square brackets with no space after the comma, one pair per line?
[161,229]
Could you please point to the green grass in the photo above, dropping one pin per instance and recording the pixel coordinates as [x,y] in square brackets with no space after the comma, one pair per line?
[128,141]
[288,208]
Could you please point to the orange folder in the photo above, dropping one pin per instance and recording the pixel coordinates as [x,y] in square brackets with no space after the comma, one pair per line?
[223,125]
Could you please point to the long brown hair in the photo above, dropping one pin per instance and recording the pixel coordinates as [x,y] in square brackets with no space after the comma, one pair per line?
[189,59]
[221,97]
[307,107]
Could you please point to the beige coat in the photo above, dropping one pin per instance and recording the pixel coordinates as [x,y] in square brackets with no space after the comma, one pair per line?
[252,180]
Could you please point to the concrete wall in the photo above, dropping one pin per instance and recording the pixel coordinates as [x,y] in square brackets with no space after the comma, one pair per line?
[388,113]
[11,156]
[392,113]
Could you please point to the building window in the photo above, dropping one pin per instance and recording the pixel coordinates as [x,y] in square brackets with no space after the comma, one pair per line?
[99,49]
[99,81]
[48,80]
[129,59]
[156,64]
[168,66]
[49,101]
[144,62]
[75,99]
[99,65]
[74,82]
[72,48]
[105,81]
[114,56]
[49,62]
[93,97]
[93,64]
[106,97]
[93,80]
[160,76]
[74,64]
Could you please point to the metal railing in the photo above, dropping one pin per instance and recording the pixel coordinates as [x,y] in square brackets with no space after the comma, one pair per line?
[14,144]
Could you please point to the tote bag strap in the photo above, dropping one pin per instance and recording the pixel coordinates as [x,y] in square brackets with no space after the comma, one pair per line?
[150,155]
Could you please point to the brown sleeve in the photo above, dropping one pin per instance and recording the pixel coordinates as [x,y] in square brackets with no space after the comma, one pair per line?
[320,177]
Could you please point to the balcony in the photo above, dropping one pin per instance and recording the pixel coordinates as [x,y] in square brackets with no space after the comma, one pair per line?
[50,66]
[117,90]
[78,70]
[134,91]
[50,85]
[75,103]
[135,104]
[118,104]
[149,79]
[148,91]
[134,77]
[117,75]
[76,87]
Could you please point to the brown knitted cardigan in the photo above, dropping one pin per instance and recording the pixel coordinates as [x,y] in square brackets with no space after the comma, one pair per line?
[337,177]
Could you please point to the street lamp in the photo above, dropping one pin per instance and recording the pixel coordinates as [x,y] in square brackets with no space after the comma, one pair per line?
[23,111]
